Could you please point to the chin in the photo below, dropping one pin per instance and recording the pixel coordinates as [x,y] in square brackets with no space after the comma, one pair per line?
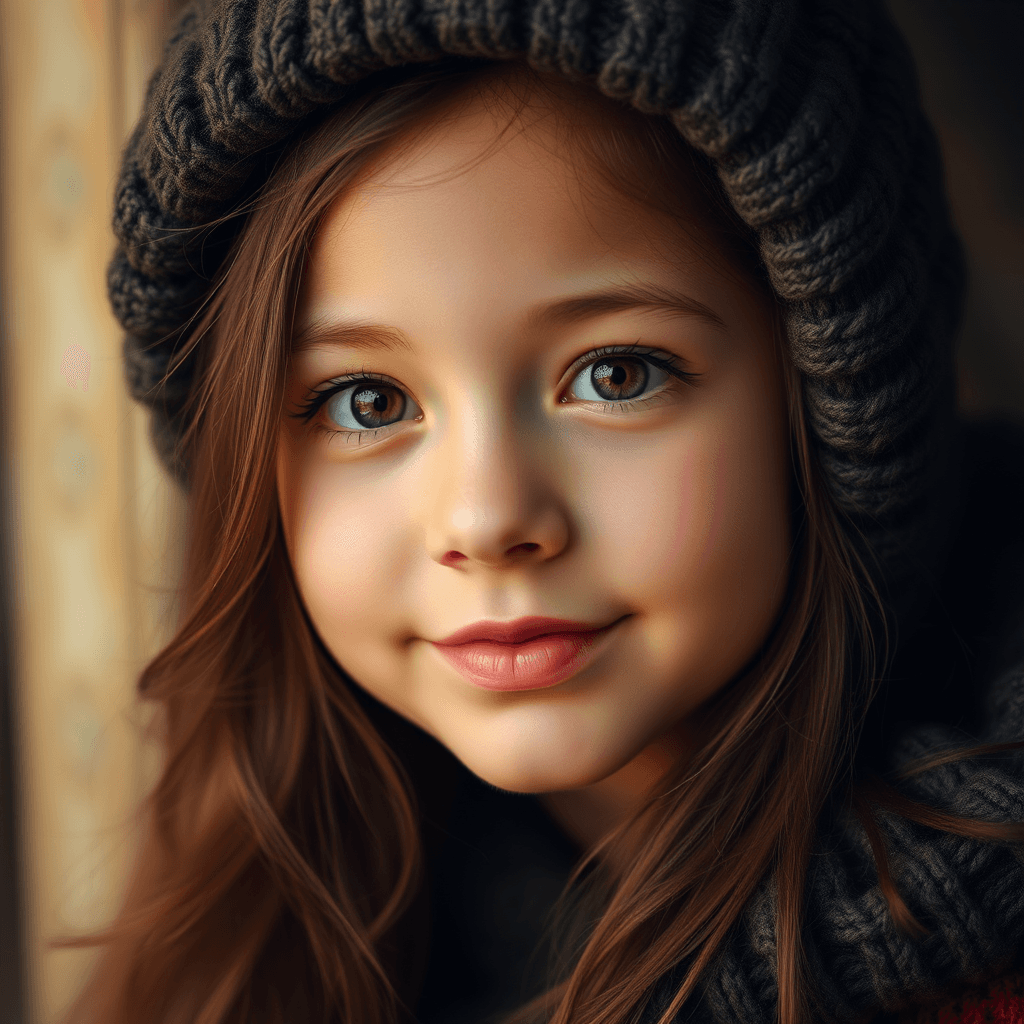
[544,774]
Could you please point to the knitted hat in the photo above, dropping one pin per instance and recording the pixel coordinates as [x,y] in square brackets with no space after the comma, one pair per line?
[808,110]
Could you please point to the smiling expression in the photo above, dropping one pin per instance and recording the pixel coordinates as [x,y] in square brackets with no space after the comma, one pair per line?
[564,409]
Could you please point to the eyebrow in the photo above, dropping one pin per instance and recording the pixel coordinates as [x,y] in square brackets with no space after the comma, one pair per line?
[574,309]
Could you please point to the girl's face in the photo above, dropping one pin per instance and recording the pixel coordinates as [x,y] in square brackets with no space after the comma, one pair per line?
[504,466]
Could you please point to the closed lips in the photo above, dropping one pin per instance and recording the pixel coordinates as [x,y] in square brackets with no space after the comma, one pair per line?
[517,631]
[526,655]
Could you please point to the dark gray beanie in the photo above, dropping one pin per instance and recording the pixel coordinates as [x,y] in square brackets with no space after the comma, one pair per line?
[809,111]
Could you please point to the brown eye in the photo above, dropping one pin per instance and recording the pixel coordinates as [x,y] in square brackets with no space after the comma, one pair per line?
[616,379]
[364,407]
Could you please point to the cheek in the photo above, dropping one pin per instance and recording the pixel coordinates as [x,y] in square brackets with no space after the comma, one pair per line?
[695,531]
[660,516]
[346,561]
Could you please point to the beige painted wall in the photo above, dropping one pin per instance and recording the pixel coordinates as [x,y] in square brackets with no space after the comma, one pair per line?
[95,520]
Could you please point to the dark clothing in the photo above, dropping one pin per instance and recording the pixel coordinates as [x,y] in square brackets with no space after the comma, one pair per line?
[497,876]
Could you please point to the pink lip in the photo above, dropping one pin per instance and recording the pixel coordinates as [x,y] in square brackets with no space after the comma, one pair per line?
[516,631]
[526,654]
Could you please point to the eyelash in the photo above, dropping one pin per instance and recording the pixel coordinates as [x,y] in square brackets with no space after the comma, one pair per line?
[318,397]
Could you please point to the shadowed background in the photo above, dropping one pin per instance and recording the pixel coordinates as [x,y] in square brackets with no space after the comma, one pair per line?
[90,528]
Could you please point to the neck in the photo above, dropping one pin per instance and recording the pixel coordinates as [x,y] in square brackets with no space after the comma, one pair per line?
[589,813]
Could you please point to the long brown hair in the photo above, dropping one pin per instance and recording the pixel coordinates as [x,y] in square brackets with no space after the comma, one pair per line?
[283,859]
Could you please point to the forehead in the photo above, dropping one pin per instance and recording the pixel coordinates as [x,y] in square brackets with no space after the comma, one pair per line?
[482,192]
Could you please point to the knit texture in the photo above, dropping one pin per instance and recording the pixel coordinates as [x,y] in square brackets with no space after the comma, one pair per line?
[809,111]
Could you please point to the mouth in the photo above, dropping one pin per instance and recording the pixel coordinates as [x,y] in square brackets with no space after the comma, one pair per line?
[537,660]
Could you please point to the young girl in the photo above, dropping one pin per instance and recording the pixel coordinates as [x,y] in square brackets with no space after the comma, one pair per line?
[563,393]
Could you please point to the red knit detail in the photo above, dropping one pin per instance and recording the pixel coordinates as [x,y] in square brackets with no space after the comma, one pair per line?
[1001,1001]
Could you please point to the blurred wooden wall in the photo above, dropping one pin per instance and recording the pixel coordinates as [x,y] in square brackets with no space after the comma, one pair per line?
[92,519]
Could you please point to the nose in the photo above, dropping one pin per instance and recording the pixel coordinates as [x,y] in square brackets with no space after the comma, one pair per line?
[495,501]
